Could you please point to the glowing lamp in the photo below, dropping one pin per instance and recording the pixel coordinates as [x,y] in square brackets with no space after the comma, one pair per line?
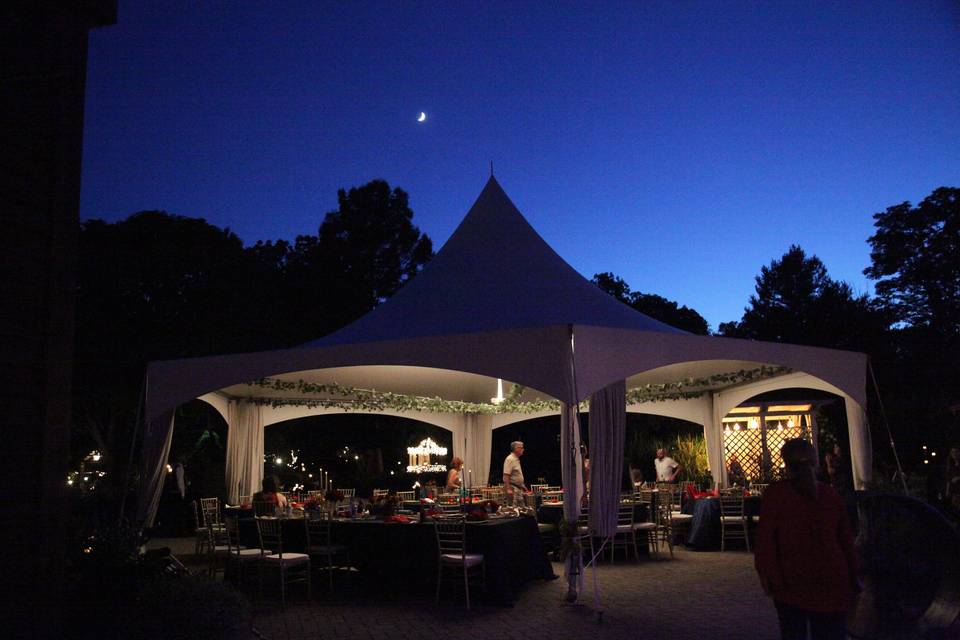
[499,398]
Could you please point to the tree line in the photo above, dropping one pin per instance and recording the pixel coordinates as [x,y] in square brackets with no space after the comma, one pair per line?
[157,285]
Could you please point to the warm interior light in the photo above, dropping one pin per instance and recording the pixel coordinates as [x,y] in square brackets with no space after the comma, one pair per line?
[742,410]
[789,408]
[499,398]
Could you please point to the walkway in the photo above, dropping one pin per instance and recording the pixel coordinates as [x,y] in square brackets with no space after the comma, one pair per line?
[709,595]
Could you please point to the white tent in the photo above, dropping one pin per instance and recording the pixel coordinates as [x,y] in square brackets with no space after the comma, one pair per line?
[496,302]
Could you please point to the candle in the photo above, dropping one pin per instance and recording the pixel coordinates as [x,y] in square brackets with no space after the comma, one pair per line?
[470,478]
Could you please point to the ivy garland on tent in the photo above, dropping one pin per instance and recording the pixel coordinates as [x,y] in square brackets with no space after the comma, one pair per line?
[335,396]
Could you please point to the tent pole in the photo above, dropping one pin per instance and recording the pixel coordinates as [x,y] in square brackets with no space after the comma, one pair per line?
[886,423]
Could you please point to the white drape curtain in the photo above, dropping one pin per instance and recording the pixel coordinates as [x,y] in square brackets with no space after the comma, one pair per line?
[479,438]
[244,469]
[608,420]
[157,436]
[861,446]
[571,467]
[713,434]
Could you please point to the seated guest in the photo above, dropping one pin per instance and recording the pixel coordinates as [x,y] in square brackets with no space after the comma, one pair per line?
[735,474]
[455,475]
[270,493]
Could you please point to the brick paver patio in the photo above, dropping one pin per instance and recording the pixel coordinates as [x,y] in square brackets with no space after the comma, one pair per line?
[702,595]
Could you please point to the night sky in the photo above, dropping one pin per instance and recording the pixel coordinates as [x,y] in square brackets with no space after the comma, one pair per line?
[680,145]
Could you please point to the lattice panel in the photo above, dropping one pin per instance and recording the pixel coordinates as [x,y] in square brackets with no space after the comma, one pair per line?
[747,445]
[775,440]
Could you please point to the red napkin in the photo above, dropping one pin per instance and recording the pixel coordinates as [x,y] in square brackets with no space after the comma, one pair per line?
[398,519]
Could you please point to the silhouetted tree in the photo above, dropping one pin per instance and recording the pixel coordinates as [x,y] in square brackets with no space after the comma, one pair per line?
[916,261]
[153,286]
[363,253]
[915,254]
[650,304]
[797,302]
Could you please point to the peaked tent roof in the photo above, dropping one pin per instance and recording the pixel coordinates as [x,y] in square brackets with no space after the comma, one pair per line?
[494,273]
[497,301]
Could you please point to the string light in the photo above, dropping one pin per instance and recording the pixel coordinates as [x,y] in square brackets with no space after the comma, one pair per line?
[420,457]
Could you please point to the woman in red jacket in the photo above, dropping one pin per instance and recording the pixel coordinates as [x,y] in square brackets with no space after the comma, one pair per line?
[804,550]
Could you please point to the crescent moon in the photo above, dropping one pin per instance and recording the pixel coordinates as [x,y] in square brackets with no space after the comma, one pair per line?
[421,117]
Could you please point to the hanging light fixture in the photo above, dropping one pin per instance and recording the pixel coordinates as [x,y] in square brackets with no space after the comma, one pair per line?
[499,397]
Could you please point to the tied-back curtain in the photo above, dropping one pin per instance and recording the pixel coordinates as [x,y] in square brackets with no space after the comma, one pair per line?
[244,471]
[479,436]
[608,418]
[157,436]
[861,448]
[571,467]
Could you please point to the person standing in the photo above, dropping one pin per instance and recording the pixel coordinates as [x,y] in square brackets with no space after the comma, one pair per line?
[805,556]
[455,475]
[513,475]
[667,468]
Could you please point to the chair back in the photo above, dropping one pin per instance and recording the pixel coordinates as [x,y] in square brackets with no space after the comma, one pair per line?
[552,496]
[349,493]
[583,520]
[539,488]
[406,496]
[264,508]
[210,510]
[625,514]
[271,534]
[245,499]
[758,487]
[663,513]
[676,496]
[731,503]
[233,534]
[451,532]
[380,492]
[318,532]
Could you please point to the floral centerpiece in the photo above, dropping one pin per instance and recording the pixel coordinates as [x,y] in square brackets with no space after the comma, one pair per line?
[333,495]
[313,503]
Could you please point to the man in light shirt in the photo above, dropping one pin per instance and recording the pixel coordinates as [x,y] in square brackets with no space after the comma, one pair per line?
[667,468]
[513,475]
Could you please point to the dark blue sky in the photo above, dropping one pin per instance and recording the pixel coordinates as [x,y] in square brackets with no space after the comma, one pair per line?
[680,145]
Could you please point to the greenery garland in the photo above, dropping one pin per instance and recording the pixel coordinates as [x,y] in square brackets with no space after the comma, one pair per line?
[355,399]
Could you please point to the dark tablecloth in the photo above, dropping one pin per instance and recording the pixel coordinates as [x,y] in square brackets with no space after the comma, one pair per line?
[548,513]
[705,531]
[396,558]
